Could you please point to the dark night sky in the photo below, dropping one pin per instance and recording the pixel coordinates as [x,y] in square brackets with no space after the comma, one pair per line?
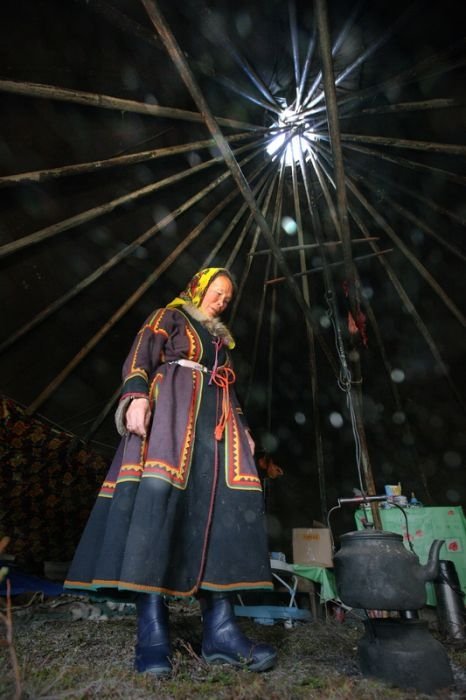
[82,46]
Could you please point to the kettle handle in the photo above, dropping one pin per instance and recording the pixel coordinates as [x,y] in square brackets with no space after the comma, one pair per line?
[430,570]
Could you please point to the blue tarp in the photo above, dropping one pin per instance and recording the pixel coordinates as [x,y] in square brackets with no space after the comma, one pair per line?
[21,582]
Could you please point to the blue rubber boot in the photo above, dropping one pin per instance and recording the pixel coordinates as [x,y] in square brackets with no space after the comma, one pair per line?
[223,642]
[153,641]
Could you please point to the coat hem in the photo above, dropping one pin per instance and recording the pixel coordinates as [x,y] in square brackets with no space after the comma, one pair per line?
[98,584]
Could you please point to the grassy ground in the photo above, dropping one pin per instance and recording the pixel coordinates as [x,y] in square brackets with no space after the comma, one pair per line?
[69,649]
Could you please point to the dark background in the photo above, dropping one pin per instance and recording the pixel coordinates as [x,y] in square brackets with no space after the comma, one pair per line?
[418,436]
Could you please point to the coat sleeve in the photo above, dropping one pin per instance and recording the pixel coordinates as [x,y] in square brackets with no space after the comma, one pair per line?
[147,352]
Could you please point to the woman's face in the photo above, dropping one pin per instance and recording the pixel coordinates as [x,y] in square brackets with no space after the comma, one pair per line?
[217,297]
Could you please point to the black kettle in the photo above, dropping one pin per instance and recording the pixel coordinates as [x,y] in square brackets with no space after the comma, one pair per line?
[375,571]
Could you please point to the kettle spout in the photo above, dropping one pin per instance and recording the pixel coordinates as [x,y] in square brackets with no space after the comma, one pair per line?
[430,570]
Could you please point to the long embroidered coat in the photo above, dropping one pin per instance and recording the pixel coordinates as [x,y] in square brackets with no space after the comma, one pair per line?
[178,510]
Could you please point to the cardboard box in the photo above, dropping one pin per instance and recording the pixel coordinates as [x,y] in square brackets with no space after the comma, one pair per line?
[312,546]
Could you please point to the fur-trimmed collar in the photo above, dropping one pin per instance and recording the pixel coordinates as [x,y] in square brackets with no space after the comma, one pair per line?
[213,325]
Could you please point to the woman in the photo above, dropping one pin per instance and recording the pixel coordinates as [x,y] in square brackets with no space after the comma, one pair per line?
[181,510]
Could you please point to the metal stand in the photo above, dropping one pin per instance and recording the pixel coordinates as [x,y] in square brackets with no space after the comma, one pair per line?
[267,614]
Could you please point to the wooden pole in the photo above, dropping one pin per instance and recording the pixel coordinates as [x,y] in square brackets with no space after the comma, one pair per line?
[413,259]
[261,305]
[419,106]
[86,349]
[337,45]
[98,165]
[95,212]
[313,270]
[221,38]
[354,396]
[427,202]
[435,64]
[124,308]
[412,218]
[334,131]
[322,21]
[312,246]
[231,85]
[311,344]
[306,67]
[226,234]
[412,144]
[241,238]
[413,165]
[107,266]
[89,99]
[410,308]
[102,415]
[185,73]
[420,268]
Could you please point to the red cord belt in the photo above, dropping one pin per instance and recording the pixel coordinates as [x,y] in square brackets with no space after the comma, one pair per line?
[221,377]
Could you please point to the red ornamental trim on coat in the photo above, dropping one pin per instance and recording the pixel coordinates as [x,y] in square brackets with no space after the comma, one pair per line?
[155,322]
[154,326]
[236,478]
[195,348]
[130,472]
[178,475]
[194,344]
[136,372]
[107,489]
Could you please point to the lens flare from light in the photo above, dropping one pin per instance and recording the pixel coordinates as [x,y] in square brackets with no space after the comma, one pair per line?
[288,122]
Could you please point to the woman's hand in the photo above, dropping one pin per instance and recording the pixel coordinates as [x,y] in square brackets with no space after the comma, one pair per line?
[138,416]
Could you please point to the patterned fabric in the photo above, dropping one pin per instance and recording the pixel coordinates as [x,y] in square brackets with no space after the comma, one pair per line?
[196,289]
[179,510]
[48,485]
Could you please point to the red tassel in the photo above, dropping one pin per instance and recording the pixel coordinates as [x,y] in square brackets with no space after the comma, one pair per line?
[352,327]
[358,326]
